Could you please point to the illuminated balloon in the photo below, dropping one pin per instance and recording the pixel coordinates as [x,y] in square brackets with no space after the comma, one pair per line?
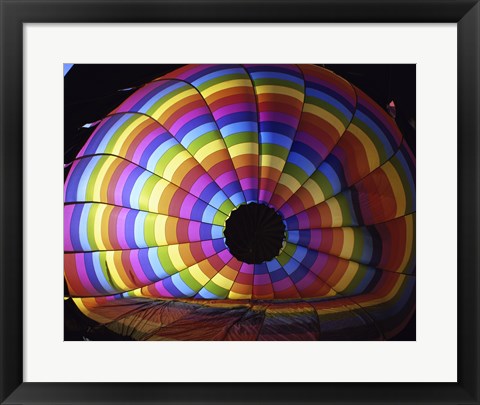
[243,202]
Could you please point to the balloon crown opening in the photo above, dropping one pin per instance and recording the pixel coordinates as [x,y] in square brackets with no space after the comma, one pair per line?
[254,233]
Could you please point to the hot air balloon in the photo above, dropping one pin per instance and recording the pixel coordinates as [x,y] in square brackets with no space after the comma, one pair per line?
[243,202]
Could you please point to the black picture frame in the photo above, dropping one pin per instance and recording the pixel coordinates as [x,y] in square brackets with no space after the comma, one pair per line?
[14,13]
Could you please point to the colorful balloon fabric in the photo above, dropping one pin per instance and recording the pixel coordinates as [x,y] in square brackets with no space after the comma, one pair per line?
[326,182]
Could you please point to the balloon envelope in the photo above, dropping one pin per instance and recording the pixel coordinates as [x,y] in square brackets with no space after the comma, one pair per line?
[316,176]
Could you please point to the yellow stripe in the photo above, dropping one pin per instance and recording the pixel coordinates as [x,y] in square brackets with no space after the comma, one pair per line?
[344,308]
[208,149]
[197,273]
[237,296]
[174,164]
[116,150]
[97,227]
[222,281]
[272,161]
[348,243]
[226,85]
[315,191]
[347,277]
[114,272]
[156,194]
[336,211]
[163,107]
[175,257]
[370,149]
[290,182]
[93,315]
[287,91]
[245,148]
[397,187]
[393,292]
[326,116]
[160,230]
[98,186]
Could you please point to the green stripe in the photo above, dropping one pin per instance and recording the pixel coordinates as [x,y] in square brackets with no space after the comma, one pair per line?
[91,225]
[203,140]
[189,280]
[167,97]
[119,132]
[149,230]
[167,158]
[146,192]
[216,289]
[241,137]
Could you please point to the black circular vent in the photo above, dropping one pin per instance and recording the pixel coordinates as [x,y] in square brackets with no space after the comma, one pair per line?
[254,233]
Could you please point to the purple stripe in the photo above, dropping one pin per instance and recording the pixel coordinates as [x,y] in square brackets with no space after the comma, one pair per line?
[226,178]
[186,118]
[202,182]
[67,218]
[225,255]
[121,218]
[138,267]
[121,183]
[82,274]
[187,205]
[275,116]
[145,142]
[208,248]
[233,108]
[194,231]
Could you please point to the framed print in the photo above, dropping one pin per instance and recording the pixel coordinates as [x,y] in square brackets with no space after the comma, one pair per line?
[247,193]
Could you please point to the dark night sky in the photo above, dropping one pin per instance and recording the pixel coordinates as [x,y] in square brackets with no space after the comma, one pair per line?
[91,91]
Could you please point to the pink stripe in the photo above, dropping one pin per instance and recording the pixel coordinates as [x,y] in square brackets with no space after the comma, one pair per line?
[72,169]
[264,196]
[187,205]
[67,219]
[122,215]
[282,284]
[186,118]
[138,267]
[306,281]
[320,264]
[250,183]
[82,274]
[233,108]
[292,121]
[162,291]
[225,255]
[313,142]
[94,134]
[121,184]
[145,142]
[226,178]
[192,71]
[202,182]
[261,279]
[287,211]
[247,268]
[207,247]
[194,231]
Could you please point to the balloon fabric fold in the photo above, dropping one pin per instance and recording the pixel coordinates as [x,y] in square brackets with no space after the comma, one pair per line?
[243,202]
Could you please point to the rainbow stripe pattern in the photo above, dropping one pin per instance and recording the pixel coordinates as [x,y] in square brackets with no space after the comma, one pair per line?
[147,197]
